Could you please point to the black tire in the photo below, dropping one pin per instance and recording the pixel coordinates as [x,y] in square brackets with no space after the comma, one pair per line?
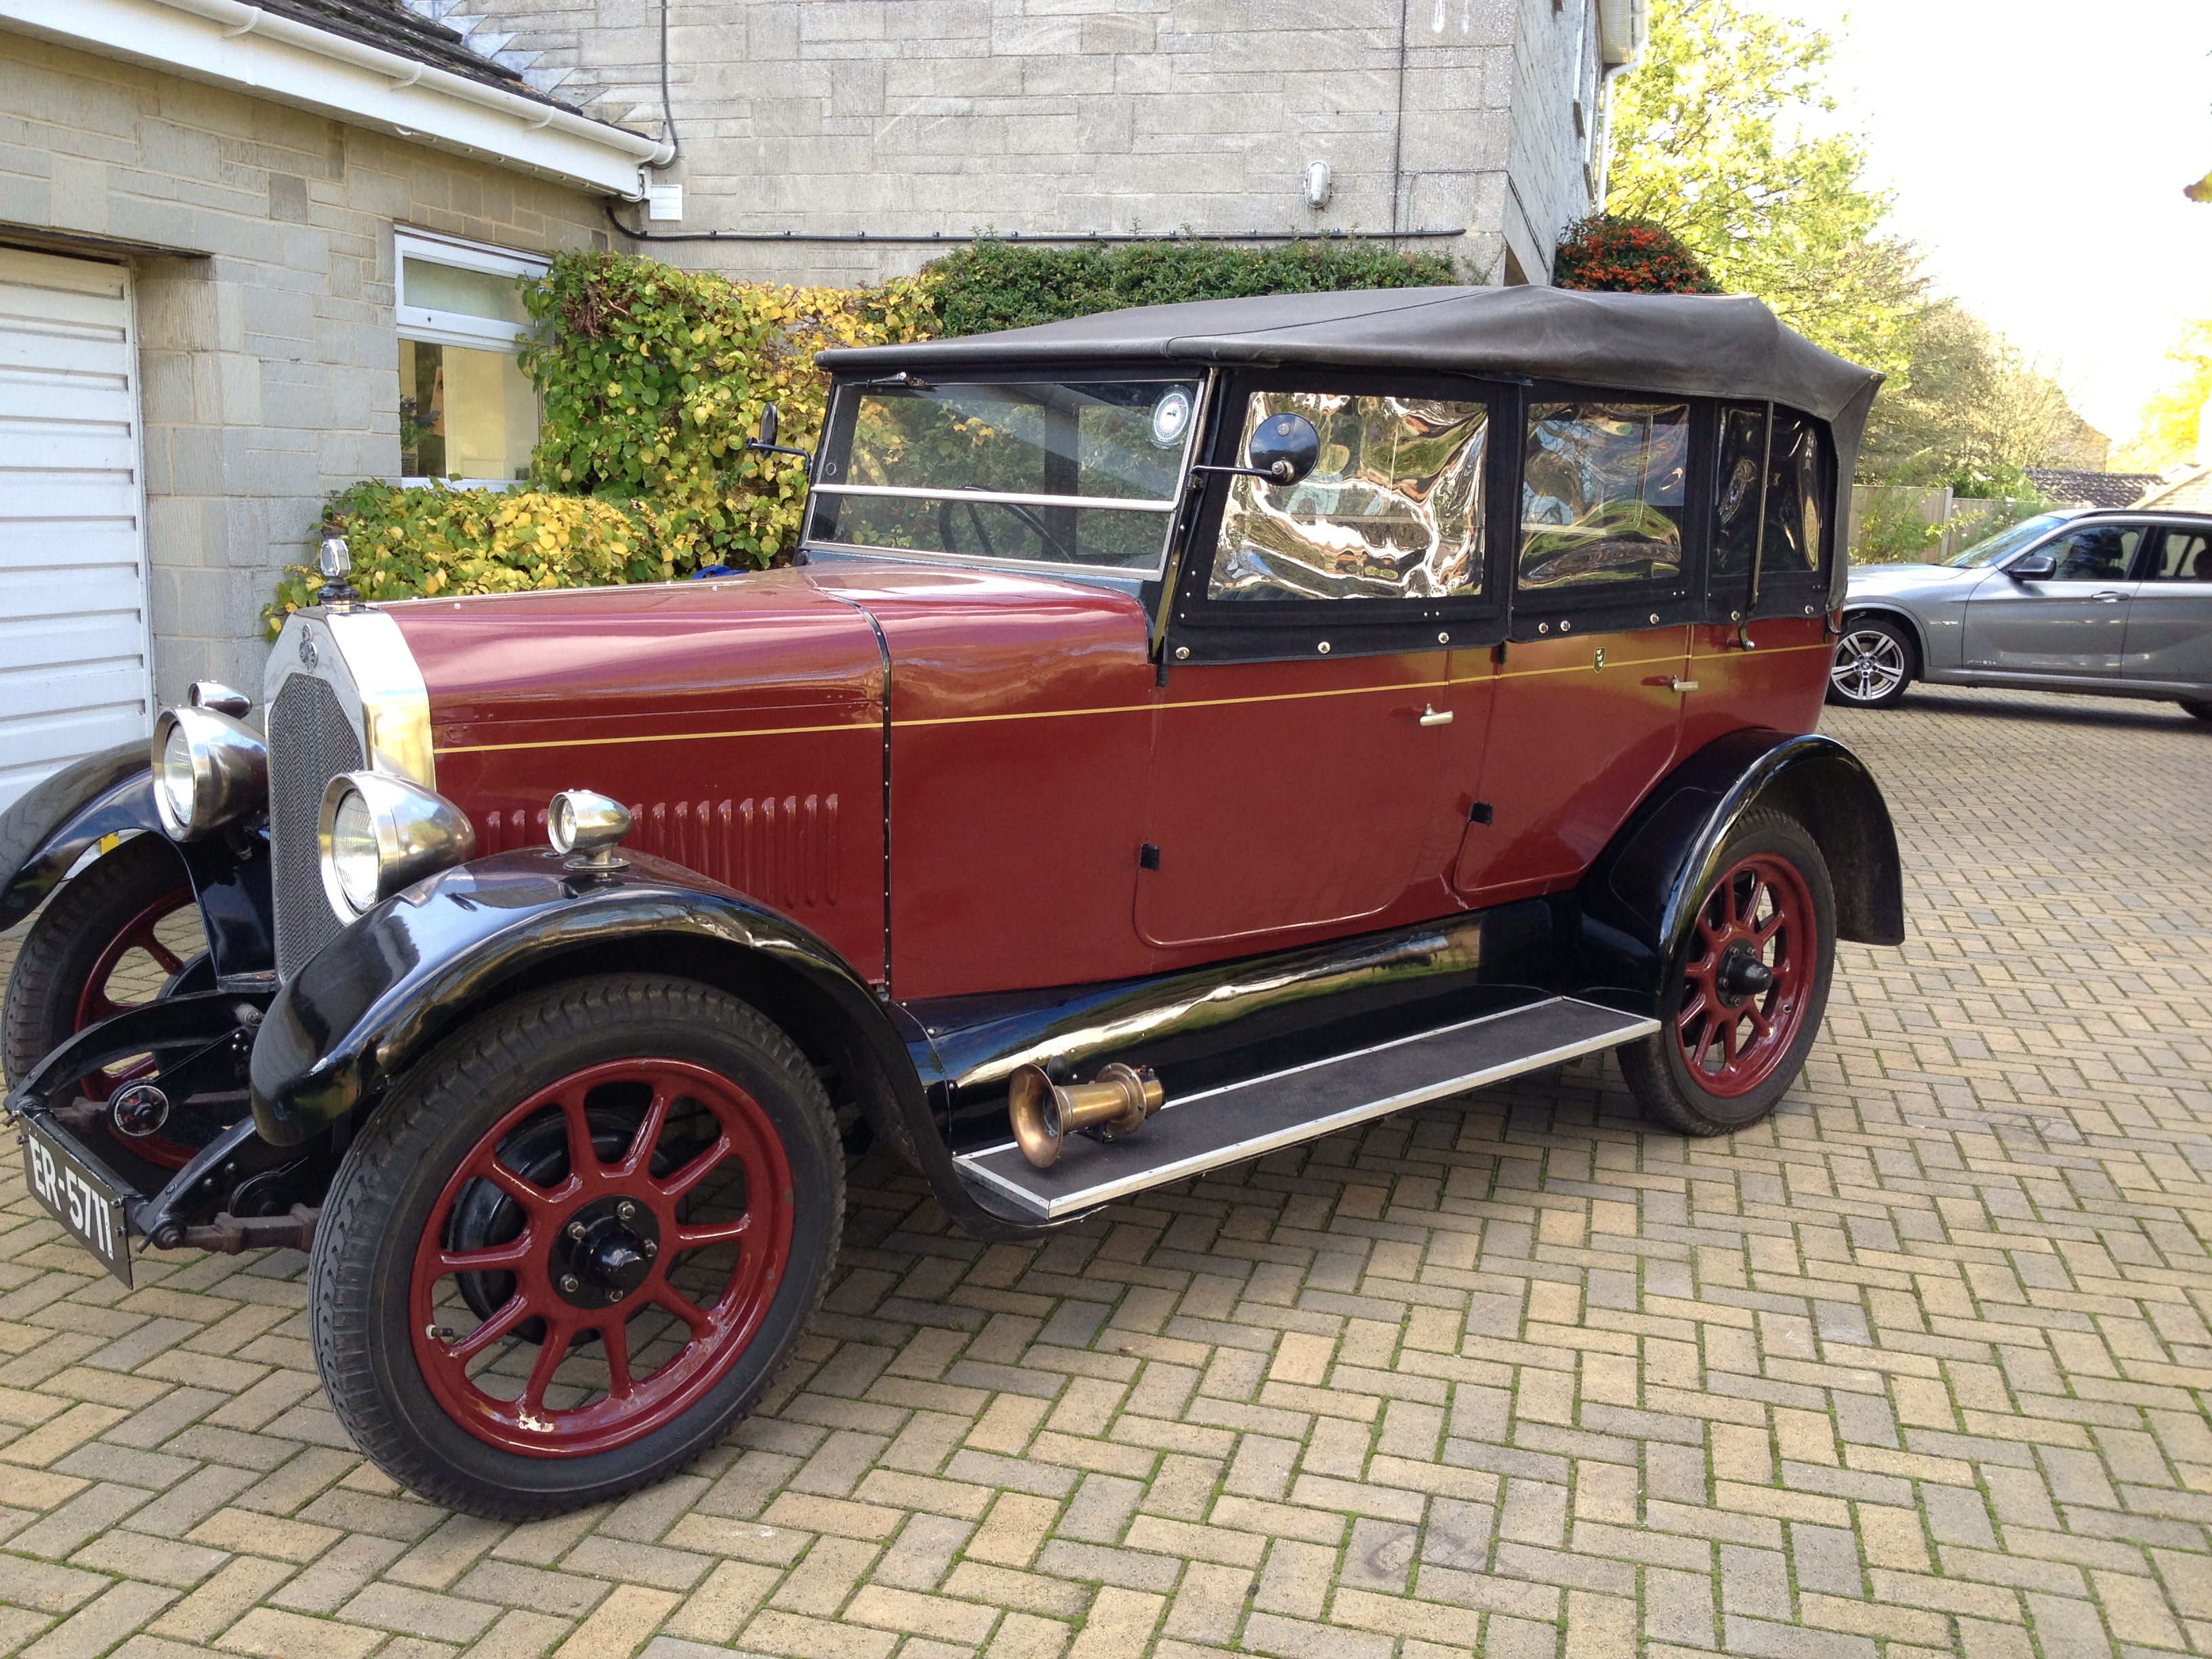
[402,1165]
[1658,1069]
[2201,710]
[1877,659]
[46,987]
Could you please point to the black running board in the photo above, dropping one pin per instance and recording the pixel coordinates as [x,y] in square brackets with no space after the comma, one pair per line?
[1248,1119]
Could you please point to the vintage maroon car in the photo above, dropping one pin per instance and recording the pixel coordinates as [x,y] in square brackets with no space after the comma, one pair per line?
[1185,732]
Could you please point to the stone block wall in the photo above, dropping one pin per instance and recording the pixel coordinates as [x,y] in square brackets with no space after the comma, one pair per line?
[952,117]
[268,359]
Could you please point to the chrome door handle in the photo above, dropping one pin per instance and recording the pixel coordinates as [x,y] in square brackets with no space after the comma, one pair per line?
[1431,717]
[1676,682]
[2108,598]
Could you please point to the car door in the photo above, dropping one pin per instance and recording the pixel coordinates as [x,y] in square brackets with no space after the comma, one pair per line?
[1304,787]
[2071,623]
[2169,633]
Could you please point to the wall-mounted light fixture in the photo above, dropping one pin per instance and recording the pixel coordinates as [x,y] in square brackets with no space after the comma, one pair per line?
[1319,184]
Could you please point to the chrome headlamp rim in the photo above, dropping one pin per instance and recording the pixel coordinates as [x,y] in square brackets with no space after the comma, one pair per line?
[225,772]
[417,832]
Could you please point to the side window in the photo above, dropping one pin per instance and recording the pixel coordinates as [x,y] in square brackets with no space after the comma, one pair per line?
[1793,498]
[1392,510]
[2101,553]
[2186,556]
[1735,490]
[1602,501]
[466,409]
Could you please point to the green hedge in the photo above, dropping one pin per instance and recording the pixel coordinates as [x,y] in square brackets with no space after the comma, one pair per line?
[997,285]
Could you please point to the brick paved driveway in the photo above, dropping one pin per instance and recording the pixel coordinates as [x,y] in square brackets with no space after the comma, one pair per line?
[1920,1366]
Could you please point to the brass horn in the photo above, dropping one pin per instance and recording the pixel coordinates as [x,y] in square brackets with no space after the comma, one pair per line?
[1045,1113]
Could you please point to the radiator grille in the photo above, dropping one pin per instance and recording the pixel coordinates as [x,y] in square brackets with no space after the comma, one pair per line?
[310,742]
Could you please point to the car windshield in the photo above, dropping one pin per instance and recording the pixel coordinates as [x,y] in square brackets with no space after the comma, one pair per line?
[1992,548]
[1082,473]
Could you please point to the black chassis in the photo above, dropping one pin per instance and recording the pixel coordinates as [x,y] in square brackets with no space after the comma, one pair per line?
[928,1077]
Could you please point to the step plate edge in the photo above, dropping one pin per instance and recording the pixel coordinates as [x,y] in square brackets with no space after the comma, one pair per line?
[1630,1028]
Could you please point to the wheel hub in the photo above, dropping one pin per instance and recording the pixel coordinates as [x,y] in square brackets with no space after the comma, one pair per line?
[1742,976]
[603,1251]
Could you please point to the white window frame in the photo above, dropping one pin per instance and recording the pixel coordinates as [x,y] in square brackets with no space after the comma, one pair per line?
[455,328]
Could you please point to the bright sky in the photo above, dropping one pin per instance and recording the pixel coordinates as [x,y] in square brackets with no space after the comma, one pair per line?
[2037,151]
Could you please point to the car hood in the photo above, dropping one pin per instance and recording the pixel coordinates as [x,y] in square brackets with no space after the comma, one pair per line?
[1901,578]
[650,659]
[806,645]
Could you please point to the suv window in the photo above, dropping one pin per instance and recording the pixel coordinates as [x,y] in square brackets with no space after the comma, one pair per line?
[1601,495]
[2186,556]
[1393,509]
[2099,553]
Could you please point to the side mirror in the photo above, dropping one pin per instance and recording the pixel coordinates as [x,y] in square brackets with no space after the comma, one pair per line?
[1283,451]
[766,444]
[2033,568]
[1284,448]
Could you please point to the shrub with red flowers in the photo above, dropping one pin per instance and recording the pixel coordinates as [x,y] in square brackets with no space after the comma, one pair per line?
[1611,255]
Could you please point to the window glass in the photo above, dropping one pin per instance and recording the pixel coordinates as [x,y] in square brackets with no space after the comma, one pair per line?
[1392,510]
[468,293]
[1601,495]
[1793,498]
[2101,553]
[2186,556]
[464,414]
[1094,466]
[1735,490]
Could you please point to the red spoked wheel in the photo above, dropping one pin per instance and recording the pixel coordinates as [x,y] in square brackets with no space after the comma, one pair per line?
[1741,1004]
[629,1276]
[1748,971]
[573,1243]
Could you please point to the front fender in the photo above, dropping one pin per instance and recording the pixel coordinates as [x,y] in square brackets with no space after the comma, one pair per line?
[45,834]
[1641,896]
[380,994]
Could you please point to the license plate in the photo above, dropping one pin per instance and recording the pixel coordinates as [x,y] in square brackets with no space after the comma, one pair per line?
[82,1198]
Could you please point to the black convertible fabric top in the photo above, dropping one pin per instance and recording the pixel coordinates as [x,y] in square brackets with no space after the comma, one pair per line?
[1688,344]
[1695,344]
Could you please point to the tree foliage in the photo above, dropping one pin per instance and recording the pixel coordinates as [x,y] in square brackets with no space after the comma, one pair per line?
[1710,141]
[1609,254]
[2169,429]
[1972,412]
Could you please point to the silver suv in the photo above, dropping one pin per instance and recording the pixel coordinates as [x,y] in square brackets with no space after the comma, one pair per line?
[2118,602]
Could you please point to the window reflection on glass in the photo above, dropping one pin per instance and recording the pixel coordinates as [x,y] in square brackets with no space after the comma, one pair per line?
[1393,509]
[435,287]
[1793,498]
[1735,490]
[1601,495]
[1062,446]
[464,414]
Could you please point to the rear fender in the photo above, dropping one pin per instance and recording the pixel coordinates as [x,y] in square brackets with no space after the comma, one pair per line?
[1640,897]
[380,997]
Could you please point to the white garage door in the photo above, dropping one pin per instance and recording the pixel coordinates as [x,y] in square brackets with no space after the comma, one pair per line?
[74,658]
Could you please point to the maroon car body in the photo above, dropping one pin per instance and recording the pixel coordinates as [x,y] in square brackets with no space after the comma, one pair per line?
[1183,733]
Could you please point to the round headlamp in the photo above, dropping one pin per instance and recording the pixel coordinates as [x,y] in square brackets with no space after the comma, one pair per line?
[209,771]
[379,834]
